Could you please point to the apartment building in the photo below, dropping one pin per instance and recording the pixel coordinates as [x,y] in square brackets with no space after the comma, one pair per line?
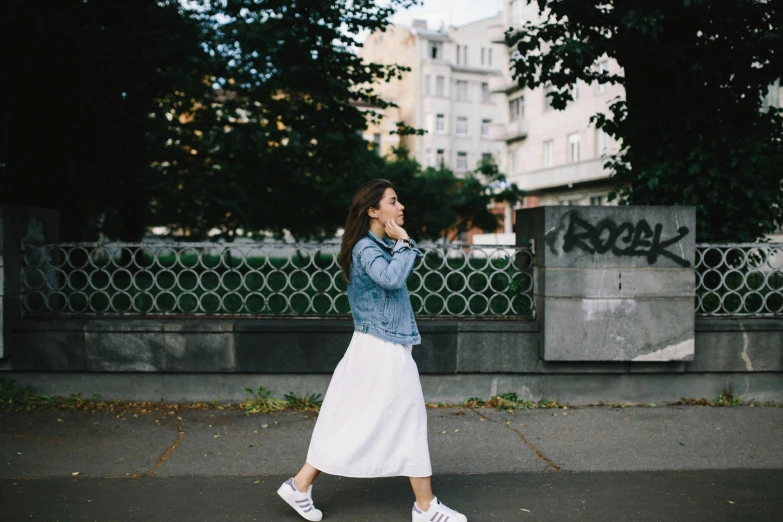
[447,92]
[554,156]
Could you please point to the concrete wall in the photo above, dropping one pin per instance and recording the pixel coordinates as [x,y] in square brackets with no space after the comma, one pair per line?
[201,359]
[613,283]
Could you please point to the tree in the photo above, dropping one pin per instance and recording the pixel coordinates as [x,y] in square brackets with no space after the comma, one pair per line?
[80,91]
[279,147]
[692,125]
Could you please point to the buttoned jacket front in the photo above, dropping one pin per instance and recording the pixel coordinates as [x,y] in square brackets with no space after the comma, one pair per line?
[377,293]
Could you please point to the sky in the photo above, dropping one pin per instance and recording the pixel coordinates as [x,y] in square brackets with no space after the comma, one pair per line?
[449,12]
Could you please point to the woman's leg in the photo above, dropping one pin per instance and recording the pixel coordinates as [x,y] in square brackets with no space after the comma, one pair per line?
[305,477]
[422,489]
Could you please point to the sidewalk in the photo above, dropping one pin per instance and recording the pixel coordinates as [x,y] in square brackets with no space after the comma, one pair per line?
[591,463]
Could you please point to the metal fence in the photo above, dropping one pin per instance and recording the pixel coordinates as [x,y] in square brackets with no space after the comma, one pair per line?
[457,280]
[186,279]
[742,279]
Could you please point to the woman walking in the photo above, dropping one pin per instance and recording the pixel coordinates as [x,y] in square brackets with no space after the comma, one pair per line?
[373,421]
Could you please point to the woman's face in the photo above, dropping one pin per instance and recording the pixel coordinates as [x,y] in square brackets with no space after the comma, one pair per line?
[390,208]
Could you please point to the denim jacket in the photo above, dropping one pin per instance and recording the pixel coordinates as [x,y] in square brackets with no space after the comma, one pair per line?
[377,293]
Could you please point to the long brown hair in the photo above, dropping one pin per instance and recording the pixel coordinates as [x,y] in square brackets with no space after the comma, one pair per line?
[368,196]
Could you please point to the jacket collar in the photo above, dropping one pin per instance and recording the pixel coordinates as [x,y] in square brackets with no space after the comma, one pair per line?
[384,242]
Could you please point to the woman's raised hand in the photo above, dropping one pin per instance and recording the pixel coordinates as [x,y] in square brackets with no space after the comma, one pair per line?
[395,231]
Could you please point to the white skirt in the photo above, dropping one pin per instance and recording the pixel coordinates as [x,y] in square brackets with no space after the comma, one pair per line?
[373,421]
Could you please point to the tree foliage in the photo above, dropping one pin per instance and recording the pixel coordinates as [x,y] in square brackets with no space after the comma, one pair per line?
[227,114]
[692,125]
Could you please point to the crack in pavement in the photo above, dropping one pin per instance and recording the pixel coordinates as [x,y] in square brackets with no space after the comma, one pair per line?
[166,455]
[521,436]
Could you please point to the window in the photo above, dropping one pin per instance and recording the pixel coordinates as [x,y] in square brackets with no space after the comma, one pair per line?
[601,142]
[573,147]
[485,128]
[464,55]
[427,85]
[428,157]
[458,49]
[462,90]
[483,52]
[596,201]
[512,161]
[516,108]
[462,161]
[603,67]
[376,142]
[549,153]
[440,158]
[436,50]
[440,123]
[517,12]
[462,126]
[575,90]
[486,96]
[440,86]
[489,57]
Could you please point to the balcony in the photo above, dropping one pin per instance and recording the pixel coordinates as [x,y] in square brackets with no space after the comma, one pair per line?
[497,33]
[562,175]
[516,130]
[497,132]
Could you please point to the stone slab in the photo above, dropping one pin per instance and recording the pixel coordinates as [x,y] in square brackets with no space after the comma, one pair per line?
[616,283]
[497,352]
[118,351]
[613,236]
[281,352]
[738,351]
[199,352]
[48,350]
[618,329]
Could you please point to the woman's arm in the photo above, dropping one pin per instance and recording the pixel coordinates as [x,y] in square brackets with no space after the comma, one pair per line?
[390,275]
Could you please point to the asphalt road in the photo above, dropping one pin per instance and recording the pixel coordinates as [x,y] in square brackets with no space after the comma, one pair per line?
[662,496]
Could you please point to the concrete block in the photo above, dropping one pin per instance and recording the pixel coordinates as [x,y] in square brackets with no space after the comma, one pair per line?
[616,283]
[497,352]
[199,352]
[618,330]
[109,351]
[610,237]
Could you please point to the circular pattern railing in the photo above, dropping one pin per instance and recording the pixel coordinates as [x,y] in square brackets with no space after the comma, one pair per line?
[744,279]
[266,279]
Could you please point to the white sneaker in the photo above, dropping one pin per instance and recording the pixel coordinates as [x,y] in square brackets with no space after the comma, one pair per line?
[437,513]
[301,502]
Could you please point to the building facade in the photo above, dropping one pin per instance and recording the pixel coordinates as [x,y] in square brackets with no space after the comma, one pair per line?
[554,156]
[447,92]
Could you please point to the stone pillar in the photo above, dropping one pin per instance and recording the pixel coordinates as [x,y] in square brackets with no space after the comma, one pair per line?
[16,223]
[613,283]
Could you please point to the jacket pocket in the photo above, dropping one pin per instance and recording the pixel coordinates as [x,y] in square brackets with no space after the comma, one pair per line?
[387,312]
